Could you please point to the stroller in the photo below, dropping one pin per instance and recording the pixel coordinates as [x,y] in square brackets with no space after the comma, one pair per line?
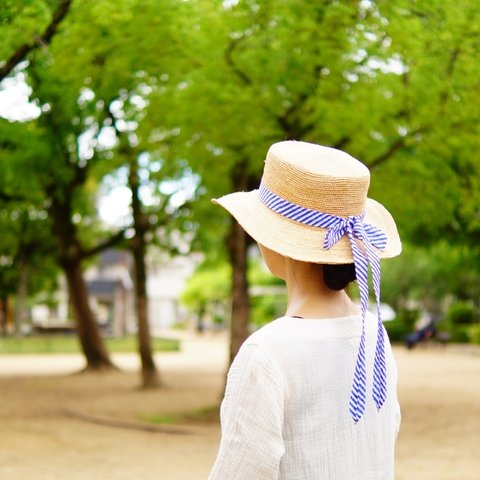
[421,335]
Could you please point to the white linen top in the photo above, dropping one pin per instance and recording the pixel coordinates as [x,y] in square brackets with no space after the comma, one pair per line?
[285,413]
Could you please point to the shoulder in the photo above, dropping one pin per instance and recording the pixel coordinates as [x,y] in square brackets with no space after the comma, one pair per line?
[261,347]
[267,336]
[271,345]
[255,367]
[275,328]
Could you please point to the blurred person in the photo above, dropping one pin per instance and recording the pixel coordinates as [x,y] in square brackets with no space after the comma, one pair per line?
[312,395]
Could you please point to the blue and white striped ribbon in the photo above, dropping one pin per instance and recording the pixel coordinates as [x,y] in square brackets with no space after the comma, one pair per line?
[371,237]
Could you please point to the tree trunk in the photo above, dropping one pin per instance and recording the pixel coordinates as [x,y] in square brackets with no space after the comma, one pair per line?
[21,310]
[237,243]
[150,375]
[91,341]
[237,249]
[70,259]
[237,252]
[3,315]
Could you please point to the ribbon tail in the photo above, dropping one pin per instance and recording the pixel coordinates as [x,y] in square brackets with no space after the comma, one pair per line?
[379,392]
[359,386]
[379,365]
[379,389]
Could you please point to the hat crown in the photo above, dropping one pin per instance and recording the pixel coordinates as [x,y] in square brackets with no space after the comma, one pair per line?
[317,177]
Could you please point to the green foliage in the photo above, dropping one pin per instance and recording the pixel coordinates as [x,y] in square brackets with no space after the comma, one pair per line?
[269,300]
[429,276]
[26,244]
[210,285]
[397,330]
[460,322]
[457,333]
[473,334]
[403,324]
[259,275]
[267,307]
[430,280]
[433,179]
[462,313]
[207,285]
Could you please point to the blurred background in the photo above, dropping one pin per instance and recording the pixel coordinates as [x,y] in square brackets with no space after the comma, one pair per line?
[121,119]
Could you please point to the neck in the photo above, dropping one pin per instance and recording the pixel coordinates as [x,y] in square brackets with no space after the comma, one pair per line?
[309,297]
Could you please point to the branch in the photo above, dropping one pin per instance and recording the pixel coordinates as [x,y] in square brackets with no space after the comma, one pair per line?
[109,242]
[289,121]
[8,197]
[80,175]
[79,171]
[229,59]
[44,39]
[341,142]
[51,120]
[392,149]
[450,70]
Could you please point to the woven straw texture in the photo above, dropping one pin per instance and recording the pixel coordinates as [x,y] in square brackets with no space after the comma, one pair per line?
[318,178]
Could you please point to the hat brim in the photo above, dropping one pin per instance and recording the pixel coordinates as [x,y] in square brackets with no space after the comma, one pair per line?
[302,242]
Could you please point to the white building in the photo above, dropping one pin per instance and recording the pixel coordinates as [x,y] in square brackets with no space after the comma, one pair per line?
[112,298]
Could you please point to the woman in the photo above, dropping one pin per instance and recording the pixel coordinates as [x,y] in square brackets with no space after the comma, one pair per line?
[312,395]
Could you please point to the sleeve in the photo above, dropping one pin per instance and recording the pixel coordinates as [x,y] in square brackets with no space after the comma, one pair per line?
[398,419]
[252,419]
[398,412]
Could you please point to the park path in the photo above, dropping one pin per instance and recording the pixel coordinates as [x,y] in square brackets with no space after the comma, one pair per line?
[42,436]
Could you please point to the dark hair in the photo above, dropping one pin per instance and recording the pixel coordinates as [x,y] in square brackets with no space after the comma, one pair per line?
[337,277]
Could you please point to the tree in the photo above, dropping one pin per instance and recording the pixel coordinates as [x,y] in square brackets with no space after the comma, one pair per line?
[78,66]
[27,265]
[142,151]
[58,186]
[58,172]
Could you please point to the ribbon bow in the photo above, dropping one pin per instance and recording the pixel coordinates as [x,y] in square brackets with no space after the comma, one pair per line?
[363,256]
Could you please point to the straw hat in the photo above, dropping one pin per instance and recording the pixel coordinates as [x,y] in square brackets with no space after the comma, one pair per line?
[319,179]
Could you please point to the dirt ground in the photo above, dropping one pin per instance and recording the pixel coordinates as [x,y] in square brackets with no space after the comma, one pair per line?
[57,424]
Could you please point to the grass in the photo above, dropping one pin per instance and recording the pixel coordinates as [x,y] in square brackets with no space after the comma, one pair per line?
[69,344]
[201,415]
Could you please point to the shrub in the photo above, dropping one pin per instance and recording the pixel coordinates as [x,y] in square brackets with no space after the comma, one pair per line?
[397,330]
[462,313]
[473,332]
[459,334]
[460,322]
